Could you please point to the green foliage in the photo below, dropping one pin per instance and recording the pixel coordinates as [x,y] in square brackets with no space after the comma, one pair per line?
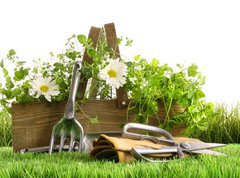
[11,52]
[192,70]
[148,83]
[82,39]
[16,84]
[223,126]
[151,83]
[20,74]
[81,165]
[5,128]
[195,118]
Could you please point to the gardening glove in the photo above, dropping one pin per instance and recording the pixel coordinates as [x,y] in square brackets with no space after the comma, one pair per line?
[119,149]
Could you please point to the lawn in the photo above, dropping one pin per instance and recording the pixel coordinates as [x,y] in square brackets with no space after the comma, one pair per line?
[81,165]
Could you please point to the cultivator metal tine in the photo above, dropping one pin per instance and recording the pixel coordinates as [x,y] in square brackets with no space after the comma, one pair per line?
[71,143]
[67,140]
[51,142]
[80,144]
[51,145]
[81,137]
[62,139]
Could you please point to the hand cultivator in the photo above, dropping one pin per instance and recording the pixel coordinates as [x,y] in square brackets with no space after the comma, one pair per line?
[68,127]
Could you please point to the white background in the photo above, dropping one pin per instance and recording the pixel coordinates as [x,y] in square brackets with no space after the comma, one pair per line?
[204,32]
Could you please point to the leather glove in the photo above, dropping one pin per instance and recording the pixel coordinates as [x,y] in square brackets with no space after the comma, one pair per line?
[119,149]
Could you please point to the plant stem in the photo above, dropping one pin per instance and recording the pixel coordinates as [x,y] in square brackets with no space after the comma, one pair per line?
[80,108]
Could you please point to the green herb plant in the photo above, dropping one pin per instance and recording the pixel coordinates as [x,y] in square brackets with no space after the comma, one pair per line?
[151,84]
[148,83]
[15,86]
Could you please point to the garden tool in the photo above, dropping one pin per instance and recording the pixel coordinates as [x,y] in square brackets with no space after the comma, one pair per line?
[86,147]
[44,149]
[135,145]
[68,127]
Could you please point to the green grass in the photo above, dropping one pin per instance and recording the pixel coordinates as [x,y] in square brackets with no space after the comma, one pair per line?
[5,128]
[223,126]
[80,165]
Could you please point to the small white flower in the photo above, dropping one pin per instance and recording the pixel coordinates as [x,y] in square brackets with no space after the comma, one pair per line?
[167,74]
[114,73]
[44,86]
[132,80]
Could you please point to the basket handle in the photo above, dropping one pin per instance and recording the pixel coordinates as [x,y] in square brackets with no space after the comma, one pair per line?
[111,35]
[93,35]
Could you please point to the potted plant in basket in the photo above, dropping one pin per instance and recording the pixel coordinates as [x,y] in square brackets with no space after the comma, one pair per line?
[148,83]
[151,87]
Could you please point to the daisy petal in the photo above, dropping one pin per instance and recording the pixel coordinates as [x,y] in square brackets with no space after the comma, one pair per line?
[43,86]
[114,73]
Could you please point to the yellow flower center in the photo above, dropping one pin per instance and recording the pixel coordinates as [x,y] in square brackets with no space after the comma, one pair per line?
[44,88]
[112,73]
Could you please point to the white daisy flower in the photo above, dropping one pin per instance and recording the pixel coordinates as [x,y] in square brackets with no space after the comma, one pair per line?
[114,73]
[44,86]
